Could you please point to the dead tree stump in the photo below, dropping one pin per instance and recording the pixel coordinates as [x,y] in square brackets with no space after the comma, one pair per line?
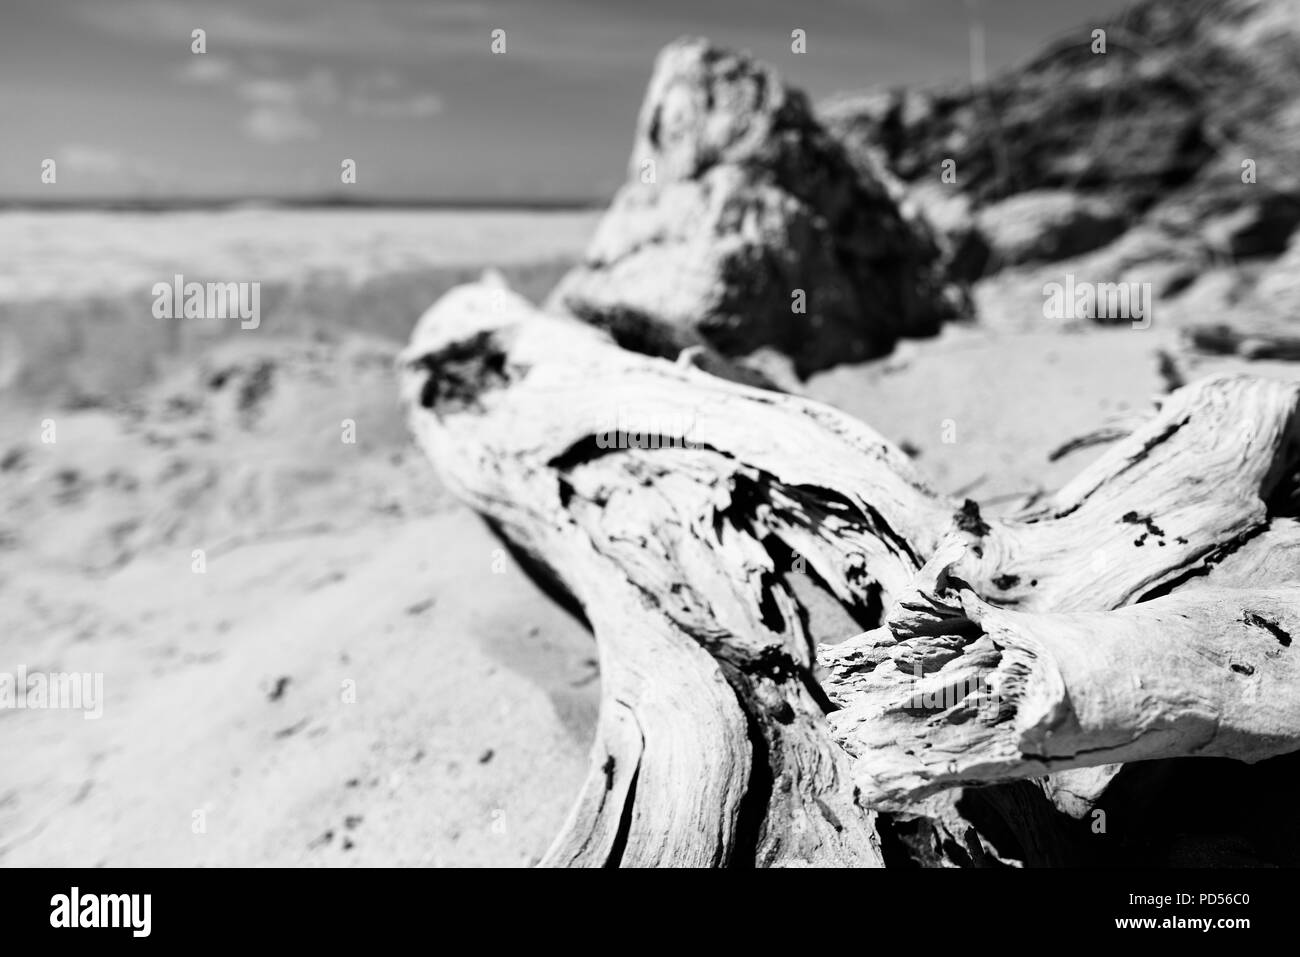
[1146,610]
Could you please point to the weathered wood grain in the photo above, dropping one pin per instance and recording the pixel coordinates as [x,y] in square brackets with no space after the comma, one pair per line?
[687,515]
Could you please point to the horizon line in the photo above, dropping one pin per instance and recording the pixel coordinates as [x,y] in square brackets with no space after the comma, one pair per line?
[330,200]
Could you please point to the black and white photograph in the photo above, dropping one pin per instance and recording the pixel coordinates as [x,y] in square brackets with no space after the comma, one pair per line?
[747,434]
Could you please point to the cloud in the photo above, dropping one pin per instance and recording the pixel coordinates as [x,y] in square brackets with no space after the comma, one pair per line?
[320,87]
[205,68]
[98,162]
[414,106]
[407,31]
[384,94]
[401,27]
[282,105]
[276,124]
[94,160]
[268,92]
[285,108]
[85,164]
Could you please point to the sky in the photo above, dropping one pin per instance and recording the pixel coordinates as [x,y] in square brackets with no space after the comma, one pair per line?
[412,92]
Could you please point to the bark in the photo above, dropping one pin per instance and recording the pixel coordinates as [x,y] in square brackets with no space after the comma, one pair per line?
[713,533]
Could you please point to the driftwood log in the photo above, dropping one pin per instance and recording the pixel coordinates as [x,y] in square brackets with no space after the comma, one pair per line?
[722,542]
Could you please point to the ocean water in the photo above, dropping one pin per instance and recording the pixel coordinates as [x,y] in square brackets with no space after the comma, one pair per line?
[77,287]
